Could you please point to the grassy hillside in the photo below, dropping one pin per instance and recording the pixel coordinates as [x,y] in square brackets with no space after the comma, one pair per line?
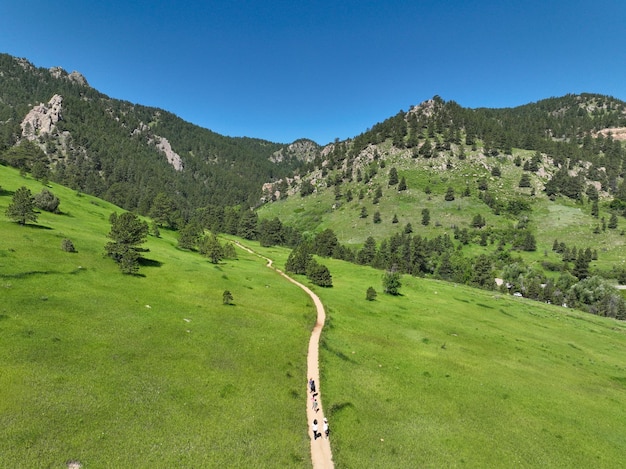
[449,376]
[145,371]
[154,371]
[564,219]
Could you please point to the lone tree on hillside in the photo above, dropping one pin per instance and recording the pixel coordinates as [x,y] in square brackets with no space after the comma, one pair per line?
[47,201]
[393,177]
[128,232]
[425,217]
[22,208]
[227,297]
[391,282]
[370,295]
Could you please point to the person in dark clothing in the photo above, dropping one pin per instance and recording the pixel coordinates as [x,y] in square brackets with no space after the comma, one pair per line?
[314,428]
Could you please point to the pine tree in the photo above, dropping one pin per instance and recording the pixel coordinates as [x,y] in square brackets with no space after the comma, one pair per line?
[128,232]
[247,228]
[319,274]
[425,217]
[209,246]
[595,211]
[22,207]
[163,210]
[367,253]
[524,180]
[370,295]
[298,259]
[393,177]
[189,235]
[391,282]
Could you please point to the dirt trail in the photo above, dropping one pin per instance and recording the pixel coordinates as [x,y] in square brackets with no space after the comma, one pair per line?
[321,455]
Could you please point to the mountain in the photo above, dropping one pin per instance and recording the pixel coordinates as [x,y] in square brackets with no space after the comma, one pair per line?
[529,200]
[572,130]
[53,122]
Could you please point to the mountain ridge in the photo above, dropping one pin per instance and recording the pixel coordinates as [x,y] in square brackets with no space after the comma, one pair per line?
[128,153]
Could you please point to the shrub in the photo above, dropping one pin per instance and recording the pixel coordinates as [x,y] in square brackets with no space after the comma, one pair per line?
[47,201]
[227,297]
[67,245]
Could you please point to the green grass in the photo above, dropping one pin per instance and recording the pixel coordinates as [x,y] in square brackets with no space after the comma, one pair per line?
[146,371]
[562,219]
[153,371]
[448,376]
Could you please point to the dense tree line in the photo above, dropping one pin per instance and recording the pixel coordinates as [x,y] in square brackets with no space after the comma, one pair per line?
[106,147]
[443,257]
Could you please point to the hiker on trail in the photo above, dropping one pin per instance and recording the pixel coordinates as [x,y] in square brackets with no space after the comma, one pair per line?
[326,429]
[312,385]
[315,404]
[314,428]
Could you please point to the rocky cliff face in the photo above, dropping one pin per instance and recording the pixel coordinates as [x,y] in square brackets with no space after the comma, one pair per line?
[173,158]
[41,119]
[74,77]
[303,150]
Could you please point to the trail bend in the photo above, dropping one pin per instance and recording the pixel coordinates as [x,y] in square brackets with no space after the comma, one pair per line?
[321,454]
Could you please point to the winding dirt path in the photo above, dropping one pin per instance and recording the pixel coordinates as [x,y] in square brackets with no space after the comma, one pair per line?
[321,455]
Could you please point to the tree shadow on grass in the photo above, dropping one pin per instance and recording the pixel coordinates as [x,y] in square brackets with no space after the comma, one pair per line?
[29,273]
[336,408]
[35,226]
[149,262]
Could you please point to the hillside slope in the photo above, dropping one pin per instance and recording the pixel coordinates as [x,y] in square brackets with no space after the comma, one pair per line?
[124,152]
[109,369]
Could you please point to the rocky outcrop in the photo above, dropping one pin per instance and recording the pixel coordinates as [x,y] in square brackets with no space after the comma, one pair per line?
[173,158]
[617,133]
[74,77]
[302,150]
[42,118]
[77,77]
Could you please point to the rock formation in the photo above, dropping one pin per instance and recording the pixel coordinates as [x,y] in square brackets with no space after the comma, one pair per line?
[41,119]
[74,77]
[173,158]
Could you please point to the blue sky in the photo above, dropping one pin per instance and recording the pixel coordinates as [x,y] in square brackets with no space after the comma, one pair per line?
[283,70]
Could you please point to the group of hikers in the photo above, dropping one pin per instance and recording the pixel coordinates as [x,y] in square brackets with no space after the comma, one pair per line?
[315,407]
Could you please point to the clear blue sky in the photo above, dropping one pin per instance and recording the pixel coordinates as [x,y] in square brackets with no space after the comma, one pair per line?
[282,70]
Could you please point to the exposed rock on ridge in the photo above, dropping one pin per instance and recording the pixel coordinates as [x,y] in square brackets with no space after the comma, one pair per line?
[173,158]
[42,118]
[74,77]
[303,150]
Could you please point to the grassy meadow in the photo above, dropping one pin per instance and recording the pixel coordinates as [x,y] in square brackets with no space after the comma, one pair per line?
[562,219]
[143,371]
[154,371]
[449,376]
